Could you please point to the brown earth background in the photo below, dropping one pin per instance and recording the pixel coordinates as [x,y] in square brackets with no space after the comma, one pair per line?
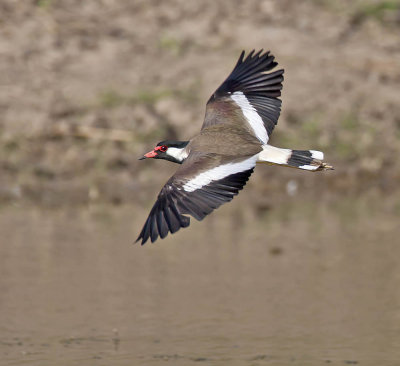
[87,87]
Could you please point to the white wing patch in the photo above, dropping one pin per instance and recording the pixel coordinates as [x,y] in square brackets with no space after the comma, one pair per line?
[218,173]
[250,113]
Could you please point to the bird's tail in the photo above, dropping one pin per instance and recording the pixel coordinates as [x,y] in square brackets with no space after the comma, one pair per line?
[302,159]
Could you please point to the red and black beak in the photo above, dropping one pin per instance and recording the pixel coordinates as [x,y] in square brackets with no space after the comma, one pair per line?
[150,154]
[154,153]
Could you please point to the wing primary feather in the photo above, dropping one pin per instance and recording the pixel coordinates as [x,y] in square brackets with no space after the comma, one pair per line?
[172,221]
[262,82]
[248,66]
[264,65]
[191,209]
[183,220]
[144,235]
[185,209]
[174,214]
[153,228]
[205,208]
[208,202]
[240,59]
[161,224]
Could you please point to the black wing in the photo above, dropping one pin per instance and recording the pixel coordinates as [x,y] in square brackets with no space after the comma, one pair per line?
[261,90]
[196,196]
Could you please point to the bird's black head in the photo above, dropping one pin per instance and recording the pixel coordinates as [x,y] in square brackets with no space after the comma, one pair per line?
[174,151]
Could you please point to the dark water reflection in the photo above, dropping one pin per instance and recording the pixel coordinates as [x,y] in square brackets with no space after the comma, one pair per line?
[303,284]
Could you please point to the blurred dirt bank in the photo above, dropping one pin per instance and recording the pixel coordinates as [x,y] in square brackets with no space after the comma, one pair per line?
[87,87]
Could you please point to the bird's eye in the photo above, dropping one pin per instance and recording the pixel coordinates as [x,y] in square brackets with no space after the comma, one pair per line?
[163,148]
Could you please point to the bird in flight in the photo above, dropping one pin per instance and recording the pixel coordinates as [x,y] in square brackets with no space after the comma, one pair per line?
[217,162]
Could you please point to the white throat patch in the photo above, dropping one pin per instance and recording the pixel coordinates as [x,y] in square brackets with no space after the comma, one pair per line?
[178,154]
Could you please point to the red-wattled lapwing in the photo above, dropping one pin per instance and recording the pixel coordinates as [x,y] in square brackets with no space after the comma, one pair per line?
[217,162]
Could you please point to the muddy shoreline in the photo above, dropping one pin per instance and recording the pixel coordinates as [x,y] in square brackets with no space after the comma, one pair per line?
[85,90]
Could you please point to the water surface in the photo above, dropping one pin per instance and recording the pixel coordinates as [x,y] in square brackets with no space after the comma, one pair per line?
[301,284]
